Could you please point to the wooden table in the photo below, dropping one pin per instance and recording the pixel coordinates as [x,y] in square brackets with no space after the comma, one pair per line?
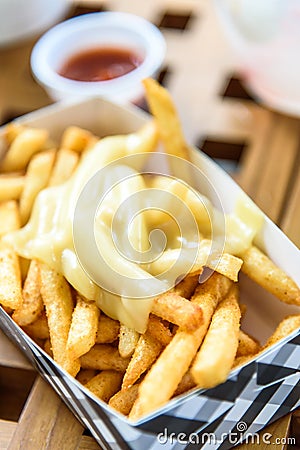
[259,147]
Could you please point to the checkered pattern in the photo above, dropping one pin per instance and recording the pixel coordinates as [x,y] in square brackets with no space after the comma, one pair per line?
[254,396]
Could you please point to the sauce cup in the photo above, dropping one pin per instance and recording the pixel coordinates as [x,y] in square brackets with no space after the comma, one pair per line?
[91,32]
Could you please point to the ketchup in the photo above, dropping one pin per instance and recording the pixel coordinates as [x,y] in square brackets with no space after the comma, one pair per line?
[100,64]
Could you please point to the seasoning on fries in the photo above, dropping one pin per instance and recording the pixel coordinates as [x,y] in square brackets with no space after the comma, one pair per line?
[189,336]
[216,355]
[32,304]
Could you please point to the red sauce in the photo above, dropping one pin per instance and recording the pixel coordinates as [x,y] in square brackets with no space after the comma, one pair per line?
[100,64]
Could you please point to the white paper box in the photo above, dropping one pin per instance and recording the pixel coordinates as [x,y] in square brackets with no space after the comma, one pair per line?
[253,396]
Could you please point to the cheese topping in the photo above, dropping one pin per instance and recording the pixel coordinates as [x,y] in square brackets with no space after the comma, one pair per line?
[48,236]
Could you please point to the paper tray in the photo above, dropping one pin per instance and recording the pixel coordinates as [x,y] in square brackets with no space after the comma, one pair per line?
[253,396]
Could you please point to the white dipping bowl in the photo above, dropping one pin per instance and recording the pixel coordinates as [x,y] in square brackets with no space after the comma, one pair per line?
[92,31]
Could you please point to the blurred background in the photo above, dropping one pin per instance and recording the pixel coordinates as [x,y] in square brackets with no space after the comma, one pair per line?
[199,67]
[217,51]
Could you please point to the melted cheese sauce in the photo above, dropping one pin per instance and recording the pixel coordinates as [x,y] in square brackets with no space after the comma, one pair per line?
[48,236]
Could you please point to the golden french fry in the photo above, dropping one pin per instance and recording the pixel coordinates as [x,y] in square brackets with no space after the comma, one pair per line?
[217,352]
[185,384]
[226,264]
[285,327]
[264,272]
[247,345]
[36,179]
[28,142]
[164,111]
[24,267]
[178,310]
[10,278]
[108,330]
[146,352]
[158,330]
[65,164]
[38,329]
[32,305]
[11,131]
[164,376]
[218,261]
[187,286]
[82,334]
[104,357]
[57,298]
[77,139]
[11,187]
[162,380]
[85,375]
[105,384]
[128,339]
[9,217]
[123,400]
[223,263]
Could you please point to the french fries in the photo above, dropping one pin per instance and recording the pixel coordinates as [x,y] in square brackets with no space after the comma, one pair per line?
[216,355]
[86,375]
[83,329]
[57,298]
[247,344]
[146,352]
[104,357]
[25,144]
[178,310]
[38,329]
[11,187]
[105,384]
[265,273]
[192,337]
[65,164]
[36,179]
[123,400]
[128,339]
[10,278]
[223,263]
[108,330]
[284,328]
[32,305]
[163,109]
[9,217]
[156,388]
[159,330]
[187,286]
[187,382]
[76,139]
[11,131]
